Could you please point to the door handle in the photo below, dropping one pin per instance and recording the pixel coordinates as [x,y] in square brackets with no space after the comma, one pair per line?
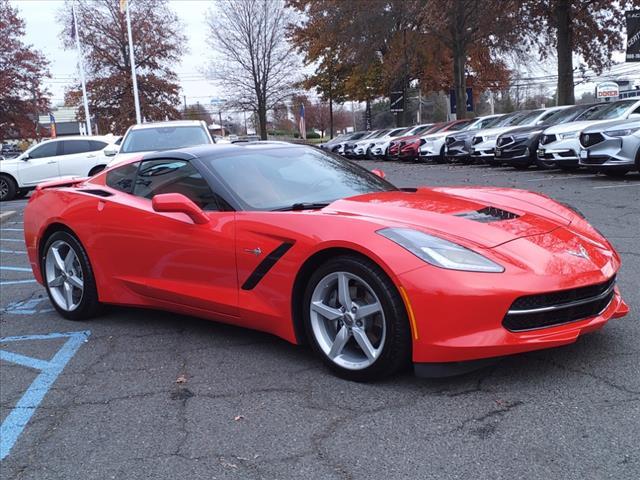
[91,156]
[53,161]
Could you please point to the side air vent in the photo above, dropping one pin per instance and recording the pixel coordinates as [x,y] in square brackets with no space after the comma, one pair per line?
[95,191]
[488,215]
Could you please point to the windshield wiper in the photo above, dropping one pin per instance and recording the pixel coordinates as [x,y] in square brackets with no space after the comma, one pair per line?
[302,206]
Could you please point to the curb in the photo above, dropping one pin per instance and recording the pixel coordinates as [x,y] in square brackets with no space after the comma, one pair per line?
[6,215]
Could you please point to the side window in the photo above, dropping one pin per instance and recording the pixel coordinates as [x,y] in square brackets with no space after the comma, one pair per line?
[96,145]
[70,147]
[122,178]
[637,110]
[174,176]
[49,149]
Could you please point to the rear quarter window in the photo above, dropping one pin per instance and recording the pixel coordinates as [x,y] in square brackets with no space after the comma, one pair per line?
[123,178]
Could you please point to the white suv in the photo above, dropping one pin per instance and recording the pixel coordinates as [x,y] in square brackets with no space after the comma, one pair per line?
[50,160]
[153,137]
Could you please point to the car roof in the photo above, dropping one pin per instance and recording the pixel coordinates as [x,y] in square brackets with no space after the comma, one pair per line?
[219,150]
[170,123]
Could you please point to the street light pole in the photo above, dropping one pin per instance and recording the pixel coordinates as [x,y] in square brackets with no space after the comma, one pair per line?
[87,119]
[132,60]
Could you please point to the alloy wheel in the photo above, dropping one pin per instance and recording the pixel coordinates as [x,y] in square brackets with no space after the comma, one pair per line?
[347,320]
[4,188]
[64,275]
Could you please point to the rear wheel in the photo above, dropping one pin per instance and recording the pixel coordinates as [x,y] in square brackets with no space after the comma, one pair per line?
[8,188]
[68,277]
[356,320]
[440,158]
[22,193]
[97,169]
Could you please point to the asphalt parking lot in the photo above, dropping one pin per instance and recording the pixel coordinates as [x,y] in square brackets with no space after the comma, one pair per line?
[145,394]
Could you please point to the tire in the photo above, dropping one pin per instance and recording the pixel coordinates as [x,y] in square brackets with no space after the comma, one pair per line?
[440,158]
[8,188]
[546,164]
[615,172]
[386,329]
[83,303]
[97,169]
[521,166]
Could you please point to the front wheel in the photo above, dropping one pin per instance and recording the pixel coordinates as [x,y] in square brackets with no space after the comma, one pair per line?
[356,320]
[615,172]
[68,277]
[8,188]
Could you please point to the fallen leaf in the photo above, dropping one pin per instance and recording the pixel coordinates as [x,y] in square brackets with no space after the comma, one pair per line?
[238,417]
[181,379]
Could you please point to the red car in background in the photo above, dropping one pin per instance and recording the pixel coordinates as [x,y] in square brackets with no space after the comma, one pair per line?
[297,242]
[408,148]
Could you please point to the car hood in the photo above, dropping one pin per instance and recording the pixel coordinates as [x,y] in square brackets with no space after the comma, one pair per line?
[612,124]
[572,126]
[494,131]
[527,129]
[457,213]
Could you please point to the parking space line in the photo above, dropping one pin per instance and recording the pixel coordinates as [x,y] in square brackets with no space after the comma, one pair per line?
[564,177]
[17,419]
[14,269]
[22,252]
[16,282]
[619,185]
[11,229]
[17,240]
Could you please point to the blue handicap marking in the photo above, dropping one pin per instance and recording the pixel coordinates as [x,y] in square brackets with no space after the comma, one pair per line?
[28,307]
[17,419]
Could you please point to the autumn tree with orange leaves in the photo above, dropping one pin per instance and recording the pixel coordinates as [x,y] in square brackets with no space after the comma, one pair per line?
[22,95]
[158,45]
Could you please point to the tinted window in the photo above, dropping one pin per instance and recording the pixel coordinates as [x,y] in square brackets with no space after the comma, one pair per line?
[122,178]
[48,149]
[97,145]
[163,138]
[69,147]
[174,176]
[269,179]
[612,110]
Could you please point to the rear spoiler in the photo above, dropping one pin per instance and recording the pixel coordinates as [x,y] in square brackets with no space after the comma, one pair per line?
[62,183]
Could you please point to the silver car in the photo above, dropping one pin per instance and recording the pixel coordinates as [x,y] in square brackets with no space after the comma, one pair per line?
[611,147]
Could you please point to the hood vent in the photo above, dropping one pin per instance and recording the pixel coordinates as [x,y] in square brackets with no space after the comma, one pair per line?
[488,215]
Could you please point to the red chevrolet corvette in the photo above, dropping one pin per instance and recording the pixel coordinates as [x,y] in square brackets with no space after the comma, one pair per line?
[302,244]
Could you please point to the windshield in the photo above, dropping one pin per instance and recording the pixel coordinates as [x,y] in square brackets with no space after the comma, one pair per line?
[163,138]
[566,115]
[459,126]
[399,131]
[281,177]
[419,130]
[611,111]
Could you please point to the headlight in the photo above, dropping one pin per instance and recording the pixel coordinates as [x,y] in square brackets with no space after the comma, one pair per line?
[439,252]
[622,133]
[565,136]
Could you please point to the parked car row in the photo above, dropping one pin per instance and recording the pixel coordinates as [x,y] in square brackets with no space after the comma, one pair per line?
[601,136]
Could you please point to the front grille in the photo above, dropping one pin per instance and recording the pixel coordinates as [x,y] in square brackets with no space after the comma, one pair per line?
[547,139]
[555,308]
[487,215]
[589,139]
[476,140]
[502,141]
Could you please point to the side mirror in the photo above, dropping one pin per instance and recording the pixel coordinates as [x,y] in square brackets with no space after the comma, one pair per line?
[178,203]
[378,172]
[25,157]
[634,116]
[108,152]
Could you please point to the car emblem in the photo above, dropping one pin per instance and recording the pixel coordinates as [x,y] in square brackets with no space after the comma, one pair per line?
[582,253]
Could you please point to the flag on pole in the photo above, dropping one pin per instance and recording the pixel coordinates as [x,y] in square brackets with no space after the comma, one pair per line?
[123,6]
[52,123]
[301,124]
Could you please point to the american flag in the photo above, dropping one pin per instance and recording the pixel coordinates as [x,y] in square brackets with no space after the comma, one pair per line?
[301,124]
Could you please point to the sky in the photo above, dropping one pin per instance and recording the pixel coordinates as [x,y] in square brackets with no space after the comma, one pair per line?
[42,31]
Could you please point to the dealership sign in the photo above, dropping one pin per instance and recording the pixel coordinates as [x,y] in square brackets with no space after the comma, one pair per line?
[607,91]
[633,36]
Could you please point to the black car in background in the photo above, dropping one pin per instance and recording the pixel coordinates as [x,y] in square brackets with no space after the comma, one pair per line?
[518,147]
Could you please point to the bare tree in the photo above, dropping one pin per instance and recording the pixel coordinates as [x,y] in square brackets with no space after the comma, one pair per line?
[253,62]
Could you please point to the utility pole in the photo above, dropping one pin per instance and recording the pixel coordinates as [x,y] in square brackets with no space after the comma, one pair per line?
[87,118]
[419,105]
[184,98]
[221,126]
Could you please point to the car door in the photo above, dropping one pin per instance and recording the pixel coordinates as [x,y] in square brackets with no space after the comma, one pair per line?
[40,165]
[165,257]
[77,157]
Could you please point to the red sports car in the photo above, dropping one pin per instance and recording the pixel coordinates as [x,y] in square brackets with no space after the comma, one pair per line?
[297,242]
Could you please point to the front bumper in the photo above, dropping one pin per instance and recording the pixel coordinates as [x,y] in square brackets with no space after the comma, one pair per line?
[515,152]
[608,153]
[561,151]
[466,322]
[484,149]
